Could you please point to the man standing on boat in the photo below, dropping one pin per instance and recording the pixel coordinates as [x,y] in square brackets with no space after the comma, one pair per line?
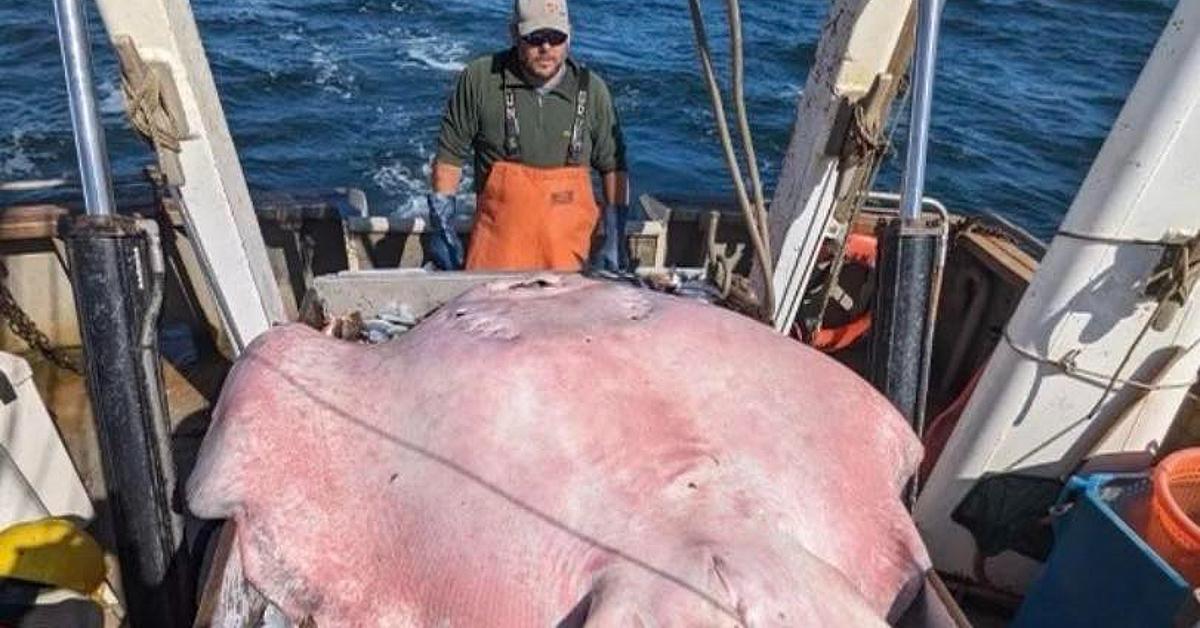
[538,123]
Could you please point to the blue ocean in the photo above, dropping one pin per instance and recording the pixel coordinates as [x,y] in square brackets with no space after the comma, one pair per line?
[324,93]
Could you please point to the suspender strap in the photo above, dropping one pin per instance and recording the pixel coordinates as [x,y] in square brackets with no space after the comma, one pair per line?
[512,128]
[578,127]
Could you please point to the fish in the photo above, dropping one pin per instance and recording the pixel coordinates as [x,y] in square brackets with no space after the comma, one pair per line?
[562,451]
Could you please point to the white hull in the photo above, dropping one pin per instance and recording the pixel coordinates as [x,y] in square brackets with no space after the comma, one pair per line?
[37,478]
[1086,306]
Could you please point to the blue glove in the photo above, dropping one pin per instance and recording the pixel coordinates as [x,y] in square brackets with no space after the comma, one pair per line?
[441,241]
[613,254]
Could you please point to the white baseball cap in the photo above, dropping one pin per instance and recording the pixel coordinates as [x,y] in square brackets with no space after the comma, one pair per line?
[534,15]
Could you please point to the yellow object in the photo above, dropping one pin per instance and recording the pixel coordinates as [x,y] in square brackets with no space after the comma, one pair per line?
[52,551]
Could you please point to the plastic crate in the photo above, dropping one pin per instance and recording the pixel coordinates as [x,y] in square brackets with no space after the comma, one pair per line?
[1100,571]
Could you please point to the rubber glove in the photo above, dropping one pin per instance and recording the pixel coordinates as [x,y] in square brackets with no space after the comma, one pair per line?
[613,254]
[441,241]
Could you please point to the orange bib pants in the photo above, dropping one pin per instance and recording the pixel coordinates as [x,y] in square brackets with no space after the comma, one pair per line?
[533,219]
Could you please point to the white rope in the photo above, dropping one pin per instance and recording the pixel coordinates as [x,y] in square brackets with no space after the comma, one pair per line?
[1067,366]
[739,106]
[762,254]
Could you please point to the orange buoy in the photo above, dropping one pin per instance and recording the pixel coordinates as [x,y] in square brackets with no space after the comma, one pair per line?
[862,250]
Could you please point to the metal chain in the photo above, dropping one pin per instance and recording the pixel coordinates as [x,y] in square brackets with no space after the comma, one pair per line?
[26,329]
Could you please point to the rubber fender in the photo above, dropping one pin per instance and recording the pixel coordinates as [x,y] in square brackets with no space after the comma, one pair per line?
[52,551]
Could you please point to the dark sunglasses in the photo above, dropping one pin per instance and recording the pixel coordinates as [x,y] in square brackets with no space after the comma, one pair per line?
[545,36]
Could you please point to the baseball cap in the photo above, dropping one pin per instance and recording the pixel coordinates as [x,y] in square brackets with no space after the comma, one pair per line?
[535,15]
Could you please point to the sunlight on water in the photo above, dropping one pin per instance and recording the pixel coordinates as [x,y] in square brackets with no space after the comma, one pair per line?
[324,94]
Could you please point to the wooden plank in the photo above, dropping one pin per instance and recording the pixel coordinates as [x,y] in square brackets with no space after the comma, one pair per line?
[158,40]
[30,222]
[226,597]
[1002,257]
[863,47]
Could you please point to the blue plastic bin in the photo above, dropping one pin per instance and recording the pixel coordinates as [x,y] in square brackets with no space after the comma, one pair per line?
[1100,572]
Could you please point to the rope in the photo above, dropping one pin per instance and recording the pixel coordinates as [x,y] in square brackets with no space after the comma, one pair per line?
[1087,237]
[1170,284]
[748,212]
[1172,281]
[870,145]
[1067,365]
[147,113]
[1176,274]
[739,105]
[867,142]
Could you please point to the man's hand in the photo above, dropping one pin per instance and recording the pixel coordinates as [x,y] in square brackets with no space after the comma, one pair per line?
[613,254]
[441,241]
[444,178]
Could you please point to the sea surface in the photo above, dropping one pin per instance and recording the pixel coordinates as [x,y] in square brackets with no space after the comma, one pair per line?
[324,93]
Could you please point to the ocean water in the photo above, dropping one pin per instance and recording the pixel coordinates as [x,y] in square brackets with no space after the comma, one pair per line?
[323,93]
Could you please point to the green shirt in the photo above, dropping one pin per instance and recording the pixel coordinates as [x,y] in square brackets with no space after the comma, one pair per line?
[474,119]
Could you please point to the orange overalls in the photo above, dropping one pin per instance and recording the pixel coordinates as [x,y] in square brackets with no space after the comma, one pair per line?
[530,218]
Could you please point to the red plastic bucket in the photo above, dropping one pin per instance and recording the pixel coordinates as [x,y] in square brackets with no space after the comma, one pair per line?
[1172,528]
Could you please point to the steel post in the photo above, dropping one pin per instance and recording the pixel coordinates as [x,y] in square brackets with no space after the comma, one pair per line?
[909,260]
[924,62]
[85,117]
[117,273]
[117,276]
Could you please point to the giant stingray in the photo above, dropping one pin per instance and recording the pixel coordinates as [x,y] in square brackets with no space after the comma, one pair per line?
[562,452]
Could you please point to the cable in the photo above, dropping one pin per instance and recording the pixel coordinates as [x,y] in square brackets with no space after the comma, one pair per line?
[1067,365]
[756,233]
[739,105]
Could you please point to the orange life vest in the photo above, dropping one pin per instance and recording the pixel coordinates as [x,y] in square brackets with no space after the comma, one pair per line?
[863,250]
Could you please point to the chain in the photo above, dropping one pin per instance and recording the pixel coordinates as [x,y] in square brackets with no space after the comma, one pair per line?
[24,327]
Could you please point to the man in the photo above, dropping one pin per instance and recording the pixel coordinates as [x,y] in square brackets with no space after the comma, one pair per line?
[537,122]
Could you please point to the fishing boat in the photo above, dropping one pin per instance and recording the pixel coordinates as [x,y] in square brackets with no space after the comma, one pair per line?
[1020,364]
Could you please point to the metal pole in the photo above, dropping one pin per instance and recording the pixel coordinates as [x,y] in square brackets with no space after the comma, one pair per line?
[85,118]
[909,265]
[117,273]
[118,304]
[913,190]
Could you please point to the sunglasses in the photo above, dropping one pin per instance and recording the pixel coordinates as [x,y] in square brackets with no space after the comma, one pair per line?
[546,36]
